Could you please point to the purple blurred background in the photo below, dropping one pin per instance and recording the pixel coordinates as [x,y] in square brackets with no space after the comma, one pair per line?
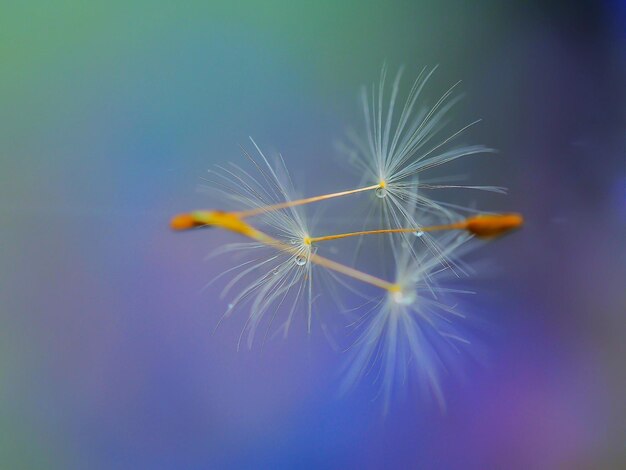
[112,112]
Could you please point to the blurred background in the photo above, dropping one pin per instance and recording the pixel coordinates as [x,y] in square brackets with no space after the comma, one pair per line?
[111,112]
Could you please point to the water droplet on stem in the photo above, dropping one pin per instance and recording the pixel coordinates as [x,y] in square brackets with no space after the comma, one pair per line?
[404,298]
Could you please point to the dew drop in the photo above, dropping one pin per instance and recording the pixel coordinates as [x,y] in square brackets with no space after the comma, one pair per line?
[300,260]
[275,271]
[404,298]
[381,193]
[294,241]
[230,306]
[419,233]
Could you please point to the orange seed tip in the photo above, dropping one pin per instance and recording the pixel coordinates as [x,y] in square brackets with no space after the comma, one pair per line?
[487,225]
[184,222]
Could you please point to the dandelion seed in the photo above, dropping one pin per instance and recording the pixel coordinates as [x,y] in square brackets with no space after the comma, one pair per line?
[277,276]
[408,333]
[483,226]
[396,148]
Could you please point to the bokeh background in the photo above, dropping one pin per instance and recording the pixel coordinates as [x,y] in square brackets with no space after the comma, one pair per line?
[110,112]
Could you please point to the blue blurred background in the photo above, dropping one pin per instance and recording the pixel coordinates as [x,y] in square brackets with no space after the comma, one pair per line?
[110,112]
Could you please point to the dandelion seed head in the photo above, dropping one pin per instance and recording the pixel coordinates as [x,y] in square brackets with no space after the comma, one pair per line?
[403,140]
[409,333]
[270,282]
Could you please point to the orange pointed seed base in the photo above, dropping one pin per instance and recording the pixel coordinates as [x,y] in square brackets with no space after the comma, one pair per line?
[184,222]
[208,219]
[487,226]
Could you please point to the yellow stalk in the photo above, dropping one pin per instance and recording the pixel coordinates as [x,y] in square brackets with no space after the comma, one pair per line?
[230,221]
[484,225]
[354,273]
[301,202]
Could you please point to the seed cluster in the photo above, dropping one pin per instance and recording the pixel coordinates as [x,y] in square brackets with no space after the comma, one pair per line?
[409,323]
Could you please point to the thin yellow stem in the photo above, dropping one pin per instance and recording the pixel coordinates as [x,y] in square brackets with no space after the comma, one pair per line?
[456,226]
[301,202]
[231,222]
[354,273]
[482,225]
[325,262]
